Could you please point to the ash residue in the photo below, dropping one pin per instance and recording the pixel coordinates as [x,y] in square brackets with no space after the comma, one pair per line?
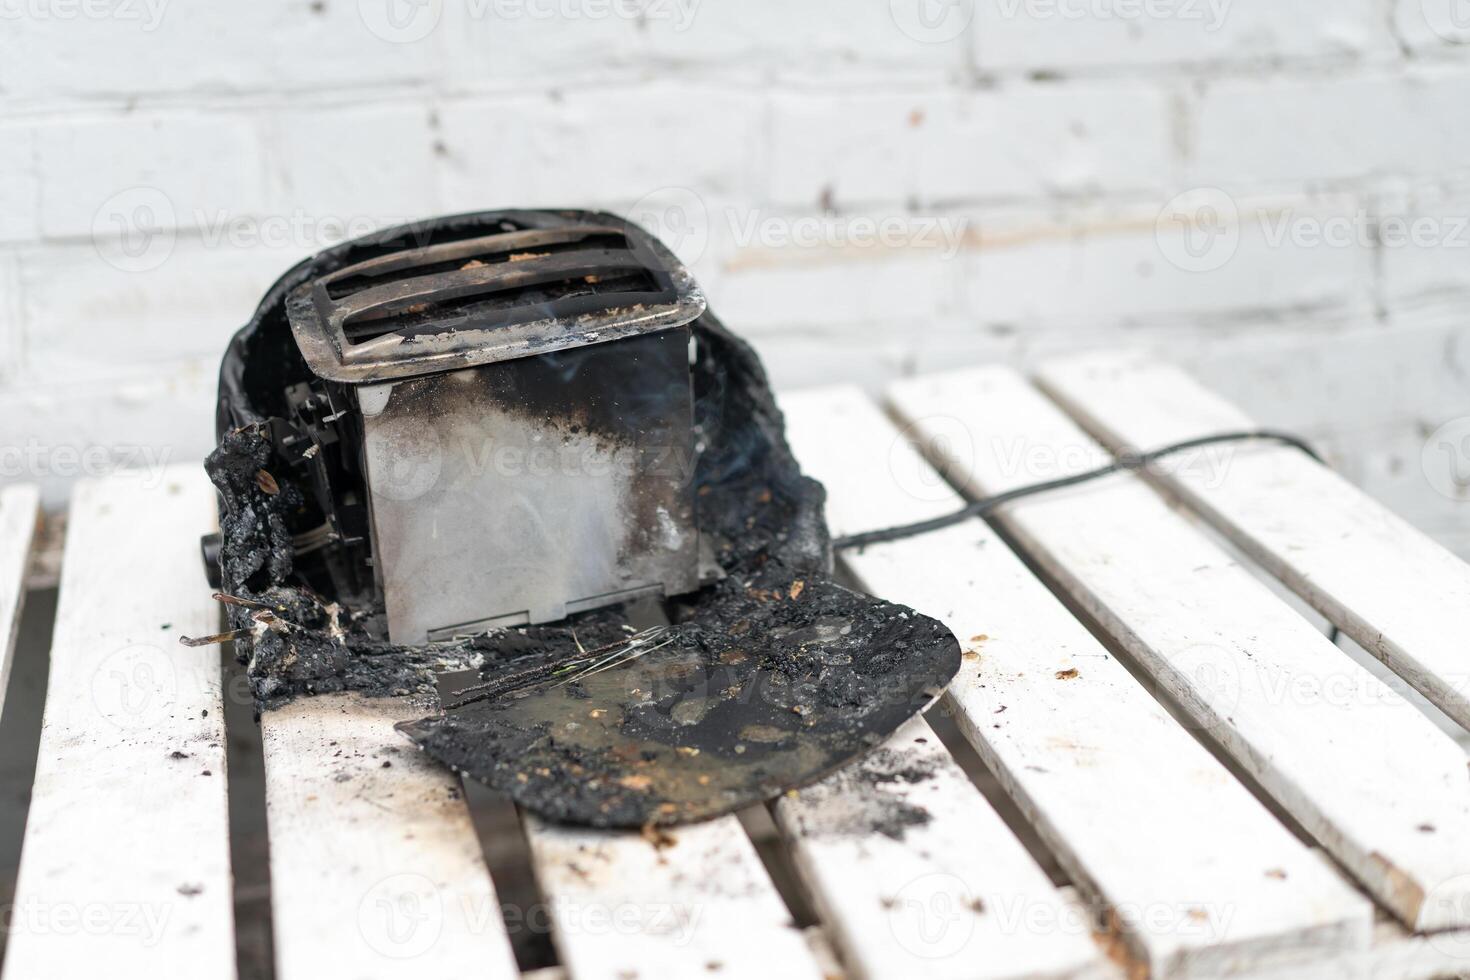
[885,766]
[770,679]
[893,818]
[869,798]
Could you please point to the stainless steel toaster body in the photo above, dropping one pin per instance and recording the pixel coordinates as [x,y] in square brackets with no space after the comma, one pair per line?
[518,410]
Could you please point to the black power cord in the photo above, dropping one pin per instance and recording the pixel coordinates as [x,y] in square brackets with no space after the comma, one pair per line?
[1127,463]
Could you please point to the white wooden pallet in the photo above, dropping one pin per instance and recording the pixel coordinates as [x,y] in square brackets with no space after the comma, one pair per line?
[1229,795]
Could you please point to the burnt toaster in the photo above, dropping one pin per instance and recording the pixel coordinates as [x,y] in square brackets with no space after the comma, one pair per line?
[498,429]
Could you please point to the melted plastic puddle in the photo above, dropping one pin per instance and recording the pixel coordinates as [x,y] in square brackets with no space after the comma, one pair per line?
[712,720]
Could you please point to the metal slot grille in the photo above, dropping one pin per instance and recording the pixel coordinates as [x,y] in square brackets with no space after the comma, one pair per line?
[495,297]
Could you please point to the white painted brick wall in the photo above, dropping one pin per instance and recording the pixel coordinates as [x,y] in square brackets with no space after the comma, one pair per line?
[1111,269]
[20,190]
[1426,238]
[51,52]
[11,350]
[86,318]
[1303,132]
[1016,142]
[749,39]
[197,159]
[351,161]
[162,161]
[1071,35]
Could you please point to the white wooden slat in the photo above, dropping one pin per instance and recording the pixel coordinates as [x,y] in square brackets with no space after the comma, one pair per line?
[694,901]
[917,876]
[1371,778]
[19,509]
[376,870]
[1396,591]
[125,866]
[1134,807]
[1394,955]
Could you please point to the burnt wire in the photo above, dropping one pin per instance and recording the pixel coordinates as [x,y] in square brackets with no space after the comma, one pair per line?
[1129,463]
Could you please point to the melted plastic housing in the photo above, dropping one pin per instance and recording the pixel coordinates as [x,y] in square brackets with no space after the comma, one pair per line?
[764,681]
